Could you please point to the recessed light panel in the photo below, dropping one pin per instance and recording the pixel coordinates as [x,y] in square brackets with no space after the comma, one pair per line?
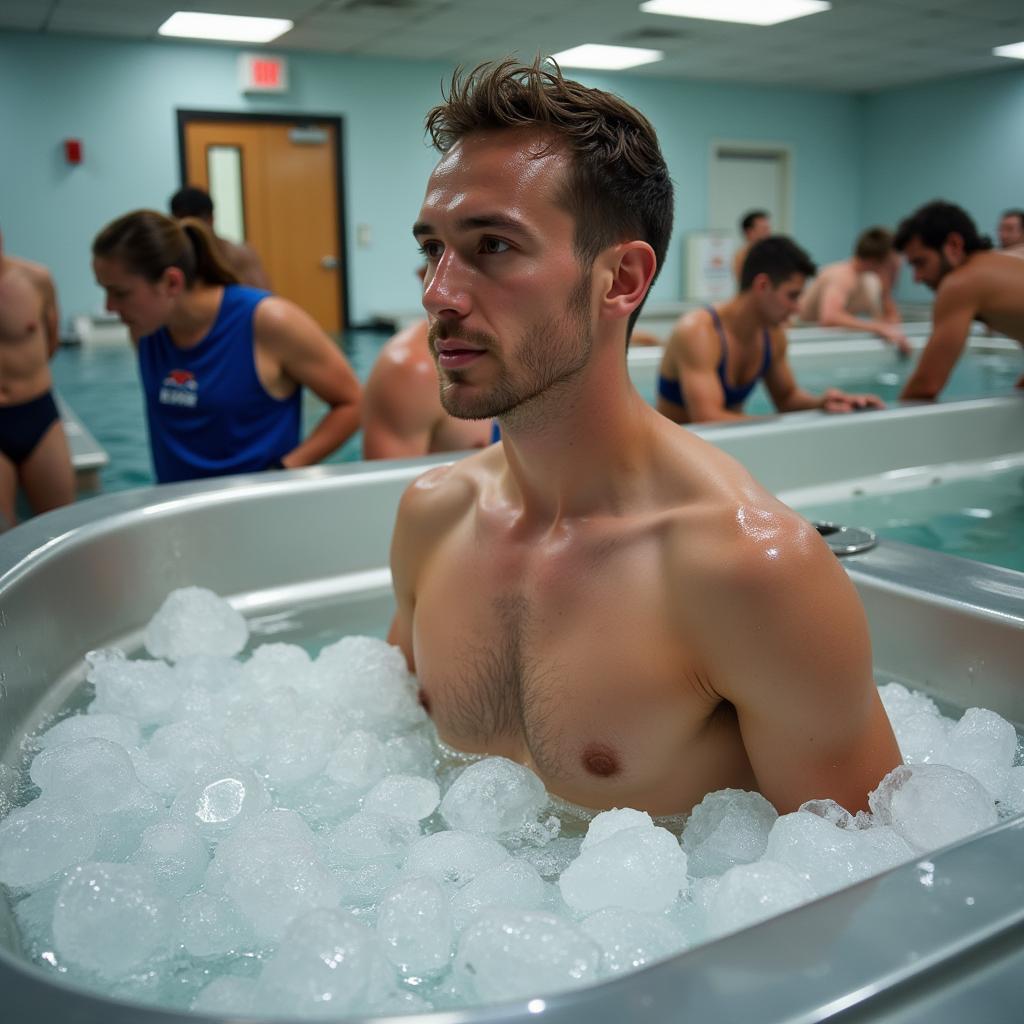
[607,58]
[224,27]
[747,12]
[1012,50]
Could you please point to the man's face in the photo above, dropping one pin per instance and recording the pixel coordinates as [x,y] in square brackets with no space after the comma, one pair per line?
[142,305]
[508,304]
[1011,231]
[931,265]
[761,228]
[777,303]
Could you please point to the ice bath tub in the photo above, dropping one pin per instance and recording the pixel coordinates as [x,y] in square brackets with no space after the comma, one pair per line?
[917,943]
[989,366]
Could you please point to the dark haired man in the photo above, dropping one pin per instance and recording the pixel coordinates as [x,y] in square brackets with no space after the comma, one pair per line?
[857,292]
[603,596]
[243,259]
[754,225]
[715,356]
[34,450]
[1011,232]
[942,244]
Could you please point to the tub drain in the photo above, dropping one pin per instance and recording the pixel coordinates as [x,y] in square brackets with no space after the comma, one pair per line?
[846,540]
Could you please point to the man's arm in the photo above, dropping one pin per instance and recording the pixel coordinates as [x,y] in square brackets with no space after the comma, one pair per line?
[51,315]
[786,643]
[400,407]
[307,356]
[697,352]
[788,396]
[834,314]
[955,308]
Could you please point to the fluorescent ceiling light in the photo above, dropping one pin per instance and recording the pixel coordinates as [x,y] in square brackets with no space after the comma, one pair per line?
[1013,50]
[228,27]
[748,12]
[608,58]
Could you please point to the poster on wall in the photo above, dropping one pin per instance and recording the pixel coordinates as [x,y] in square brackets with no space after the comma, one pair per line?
[708,266]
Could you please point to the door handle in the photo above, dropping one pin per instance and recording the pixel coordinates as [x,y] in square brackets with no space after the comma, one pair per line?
[329,262]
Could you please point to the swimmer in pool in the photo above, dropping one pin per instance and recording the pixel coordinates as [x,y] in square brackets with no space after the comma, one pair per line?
[603,597]
[755,225]
[716,356]
[857,292]
[34,450]
[402,412]
[942,244]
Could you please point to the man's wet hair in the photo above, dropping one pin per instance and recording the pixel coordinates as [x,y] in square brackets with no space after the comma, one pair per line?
[618,187]
[934,222]
[191,201]
[874,245]
[748,220]
[777,256]
[1015,212]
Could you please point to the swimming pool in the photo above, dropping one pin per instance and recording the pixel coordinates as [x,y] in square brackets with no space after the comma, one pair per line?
[101,384]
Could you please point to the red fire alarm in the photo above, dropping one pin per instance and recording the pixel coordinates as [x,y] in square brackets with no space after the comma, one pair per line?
[73,151]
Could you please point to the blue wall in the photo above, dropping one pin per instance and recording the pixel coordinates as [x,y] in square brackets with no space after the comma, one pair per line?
[961,140]
[120,98]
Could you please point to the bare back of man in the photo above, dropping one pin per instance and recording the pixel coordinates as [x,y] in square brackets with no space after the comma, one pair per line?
[245,262]
[33,447]
[988,286]
[402,412]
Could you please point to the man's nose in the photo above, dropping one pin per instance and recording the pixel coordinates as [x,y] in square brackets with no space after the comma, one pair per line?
[445,291]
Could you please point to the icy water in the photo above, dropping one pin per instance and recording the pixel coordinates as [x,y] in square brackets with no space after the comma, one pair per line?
[974,511]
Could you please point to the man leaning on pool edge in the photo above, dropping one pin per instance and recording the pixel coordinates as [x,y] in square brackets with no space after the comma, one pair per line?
[603,597]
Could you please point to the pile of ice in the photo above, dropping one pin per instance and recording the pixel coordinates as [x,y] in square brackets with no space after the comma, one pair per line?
[278,834]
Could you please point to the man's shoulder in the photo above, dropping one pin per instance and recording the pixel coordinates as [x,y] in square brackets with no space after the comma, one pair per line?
[441,495]
[693,333]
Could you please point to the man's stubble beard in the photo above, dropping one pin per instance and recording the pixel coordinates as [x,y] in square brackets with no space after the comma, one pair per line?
[549,357]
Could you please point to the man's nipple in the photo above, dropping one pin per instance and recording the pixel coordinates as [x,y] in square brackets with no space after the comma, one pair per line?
[599,760]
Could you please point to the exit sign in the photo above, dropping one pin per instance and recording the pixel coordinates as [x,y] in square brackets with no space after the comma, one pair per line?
[258,72]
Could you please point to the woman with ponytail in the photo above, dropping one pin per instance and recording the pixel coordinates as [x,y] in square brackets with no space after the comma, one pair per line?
[222,364]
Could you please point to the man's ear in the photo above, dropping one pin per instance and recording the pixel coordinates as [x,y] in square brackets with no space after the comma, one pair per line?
[630,269]
[953,248]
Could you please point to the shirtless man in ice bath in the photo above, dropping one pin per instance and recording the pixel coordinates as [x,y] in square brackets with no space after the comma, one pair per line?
[604,597]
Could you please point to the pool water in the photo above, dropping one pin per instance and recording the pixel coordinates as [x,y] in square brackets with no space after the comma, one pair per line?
[976,513]
[977,374]
[101,384]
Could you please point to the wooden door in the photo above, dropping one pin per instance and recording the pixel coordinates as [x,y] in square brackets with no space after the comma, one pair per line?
[289,199]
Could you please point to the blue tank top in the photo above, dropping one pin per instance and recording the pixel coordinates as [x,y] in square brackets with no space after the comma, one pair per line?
[208,413]
[672,390]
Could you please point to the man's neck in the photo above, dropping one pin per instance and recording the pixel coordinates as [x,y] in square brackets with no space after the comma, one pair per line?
[740,315]
[579,449]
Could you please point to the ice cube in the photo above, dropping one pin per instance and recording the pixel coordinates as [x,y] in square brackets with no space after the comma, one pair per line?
[749,893]
[727,828]
[511,954]
[900,703]
[42,839]
[212,926]
[194,620]
[116,728]
[554,857]
[414,923]
[630,940]
[493,797]
[176,855]
[932,805]
[403,796]
[96,774]
[227,996]
[141,690]
[641,868]
[453,858]
[923,738]
[321,968]
[112,918]
[219,799]
[367,837]
[984,745]
[607,823]
[513,883]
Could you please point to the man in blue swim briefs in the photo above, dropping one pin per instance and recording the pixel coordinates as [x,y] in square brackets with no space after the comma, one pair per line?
[33,449]
[715,356]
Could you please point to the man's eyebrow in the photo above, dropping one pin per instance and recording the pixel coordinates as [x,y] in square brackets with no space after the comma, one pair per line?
[486,220]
